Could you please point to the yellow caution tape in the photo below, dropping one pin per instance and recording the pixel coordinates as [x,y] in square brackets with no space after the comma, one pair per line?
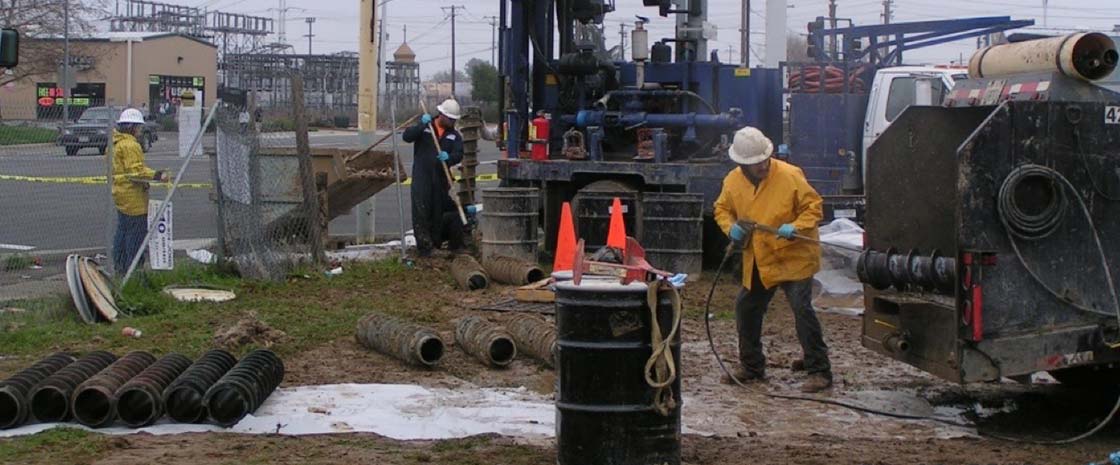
[89,180]
[100,180]
[477,178]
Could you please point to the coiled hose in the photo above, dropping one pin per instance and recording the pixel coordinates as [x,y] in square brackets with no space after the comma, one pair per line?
[1035,226]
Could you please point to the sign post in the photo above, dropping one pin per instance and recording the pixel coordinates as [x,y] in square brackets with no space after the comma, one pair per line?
[160,252]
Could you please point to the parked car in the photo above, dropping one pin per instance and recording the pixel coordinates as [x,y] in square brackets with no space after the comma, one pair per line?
[92,131]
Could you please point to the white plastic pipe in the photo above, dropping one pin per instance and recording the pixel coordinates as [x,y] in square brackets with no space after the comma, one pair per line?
[1087,56]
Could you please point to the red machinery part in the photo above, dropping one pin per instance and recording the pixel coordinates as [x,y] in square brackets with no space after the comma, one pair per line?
[538,138]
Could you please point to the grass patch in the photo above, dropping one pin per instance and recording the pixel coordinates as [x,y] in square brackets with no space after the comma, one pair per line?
[16,262]
[56,445]
[312,311]
[15,135]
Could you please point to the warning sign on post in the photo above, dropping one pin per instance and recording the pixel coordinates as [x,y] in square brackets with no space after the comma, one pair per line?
[160,253]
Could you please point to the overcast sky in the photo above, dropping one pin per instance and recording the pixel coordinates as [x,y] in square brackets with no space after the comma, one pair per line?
[336,26]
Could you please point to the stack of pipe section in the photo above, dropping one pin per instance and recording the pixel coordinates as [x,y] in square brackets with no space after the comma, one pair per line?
[469,273]
[930,272]
[533,336]
[140,401]
[509,270]
[244,388]
[183,397]
[94,402]
[397,338]
[14,408]
[485,341]
[50,400]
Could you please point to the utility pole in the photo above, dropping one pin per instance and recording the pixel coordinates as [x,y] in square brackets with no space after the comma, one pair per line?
[283,12]
[493,40]
[369,42]
[730,51]
[887,11]
[745,35]
[622,41]
[454,9]
[832,25]
[1045,12]
[65,78]
[309,35]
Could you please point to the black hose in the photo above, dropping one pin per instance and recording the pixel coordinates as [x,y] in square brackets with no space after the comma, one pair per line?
[820,400]
[1016,211]
[1008,218]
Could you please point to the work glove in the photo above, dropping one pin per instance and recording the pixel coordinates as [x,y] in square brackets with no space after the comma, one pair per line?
[471,209]
[737,232]
[786,231]
[443,156]
[162,176]
[678,280]
[426,119]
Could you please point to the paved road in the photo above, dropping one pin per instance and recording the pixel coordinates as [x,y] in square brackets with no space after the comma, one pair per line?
[64,216]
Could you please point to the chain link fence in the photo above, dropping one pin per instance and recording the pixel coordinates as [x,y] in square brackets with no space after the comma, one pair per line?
[56,194]
[268,220]
[55,197]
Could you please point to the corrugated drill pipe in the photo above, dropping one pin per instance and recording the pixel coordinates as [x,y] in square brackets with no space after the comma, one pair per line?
[408,342]
[14,408]
[94,402]
[183,397]
[534,336]
[140,401]
[50,399]
[486,341]
[509,270]
[469,273]
[244,388]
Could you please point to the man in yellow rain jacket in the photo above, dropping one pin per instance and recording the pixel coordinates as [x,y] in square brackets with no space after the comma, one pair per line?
[130,189]
[773,193]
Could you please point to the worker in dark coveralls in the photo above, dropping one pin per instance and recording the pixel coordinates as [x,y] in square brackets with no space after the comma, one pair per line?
[773,193]
[435,219]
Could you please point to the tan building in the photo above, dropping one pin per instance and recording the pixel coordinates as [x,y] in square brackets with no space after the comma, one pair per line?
[163,66]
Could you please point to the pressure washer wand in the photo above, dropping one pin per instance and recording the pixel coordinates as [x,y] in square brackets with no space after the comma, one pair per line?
[749,225]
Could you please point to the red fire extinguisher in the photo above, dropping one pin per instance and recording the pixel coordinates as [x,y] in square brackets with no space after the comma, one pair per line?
[538,137]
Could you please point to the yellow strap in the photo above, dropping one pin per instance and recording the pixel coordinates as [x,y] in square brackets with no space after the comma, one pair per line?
[661,368]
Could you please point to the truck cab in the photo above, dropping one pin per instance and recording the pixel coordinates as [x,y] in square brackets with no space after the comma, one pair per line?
[896,88]
[829,131]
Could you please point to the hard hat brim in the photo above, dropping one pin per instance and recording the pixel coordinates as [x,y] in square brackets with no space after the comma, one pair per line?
[743,159]
[446,113]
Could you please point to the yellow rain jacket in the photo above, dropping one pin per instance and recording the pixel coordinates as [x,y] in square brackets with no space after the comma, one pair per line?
[784,196]
[131,197]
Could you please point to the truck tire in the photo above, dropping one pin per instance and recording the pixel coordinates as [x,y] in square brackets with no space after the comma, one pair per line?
[101,150]
[71,151]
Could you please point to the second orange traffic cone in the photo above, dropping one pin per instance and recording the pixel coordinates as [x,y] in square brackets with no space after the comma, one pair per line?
[616,235]
[565,241]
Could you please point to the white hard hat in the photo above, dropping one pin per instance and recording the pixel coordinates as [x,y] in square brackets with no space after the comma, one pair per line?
[131,116]
[449,108]
[751,146]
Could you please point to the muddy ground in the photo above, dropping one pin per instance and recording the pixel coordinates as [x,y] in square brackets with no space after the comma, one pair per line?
[732,425]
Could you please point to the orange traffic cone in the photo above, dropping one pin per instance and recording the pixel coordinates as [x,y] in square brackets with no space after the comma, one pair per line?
[565,241]
[616,235]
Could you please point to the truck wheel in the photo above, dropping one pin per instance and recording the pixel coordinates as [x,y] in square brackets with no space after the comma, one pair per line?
[101,150]
[71,151]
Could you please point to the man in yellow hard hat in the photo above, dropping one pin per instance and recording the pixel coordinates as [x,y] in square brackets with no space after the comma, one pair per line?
[130,188]
[772,192]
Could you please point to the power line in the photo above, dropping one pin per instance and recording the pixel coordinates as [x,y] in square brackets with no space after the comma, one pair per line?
[454,9]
